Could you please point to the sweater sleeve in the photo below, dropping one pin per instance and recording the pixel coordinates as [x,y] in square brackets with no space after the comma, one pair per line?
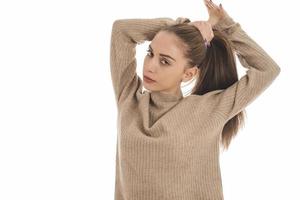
[125,35]
[261,70]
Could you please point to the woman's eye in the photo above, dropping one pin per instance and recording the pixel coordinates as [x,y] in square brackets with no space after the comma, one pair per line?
[164,62]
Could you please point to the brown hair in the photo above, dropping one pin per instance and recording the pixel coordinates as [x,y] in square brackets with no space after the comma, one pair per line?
[217,65]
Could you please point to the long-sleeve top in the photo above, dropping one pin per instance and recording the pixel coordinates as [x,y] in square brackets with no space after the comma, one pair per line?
[168,145]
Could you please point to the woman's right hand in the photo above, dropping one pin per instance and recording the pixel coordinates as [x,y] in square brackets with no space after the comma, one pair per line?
[205,29]
[216,13]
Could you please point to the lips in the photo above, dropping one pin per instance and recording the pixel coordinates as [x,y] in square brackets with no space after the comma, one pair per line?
[148,78]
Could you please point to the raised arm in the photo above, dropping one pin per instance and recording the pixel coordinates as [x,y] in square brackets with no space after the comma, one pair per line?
[261,71]
[125,35]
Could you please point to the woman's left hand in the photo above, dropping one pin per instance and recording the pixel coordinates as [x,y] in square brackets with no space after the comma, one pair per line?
[215,12]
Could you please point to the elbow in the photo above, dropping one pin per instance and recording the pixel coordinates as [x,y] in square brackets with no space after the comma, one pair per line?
[272,74]
[276,70]
[117,24]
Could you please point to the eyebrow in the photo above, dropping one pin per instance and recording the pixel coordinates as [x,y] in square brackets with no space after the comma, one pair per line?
[162,54]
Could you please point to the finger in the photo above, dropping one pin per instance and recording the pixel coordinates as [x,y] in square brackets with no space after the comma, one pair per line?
[221,6]
[208,6]
[213,5]
[206,42]
[208,3]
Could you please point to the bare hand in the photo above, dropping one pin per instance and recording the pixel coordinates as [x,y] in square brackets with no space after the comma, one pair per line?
[215,12]
[205,29]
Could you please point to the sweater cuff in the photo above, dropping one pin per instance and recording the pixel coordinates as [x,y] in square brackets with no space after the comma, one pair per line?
[224,24]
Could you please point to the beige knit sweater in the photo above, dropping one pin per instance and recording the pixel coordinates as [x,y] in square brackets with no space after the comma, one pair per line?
[167,145]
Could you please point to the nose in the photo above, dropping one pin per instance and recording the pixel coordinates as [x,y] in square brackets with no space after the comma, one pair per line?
[151,65]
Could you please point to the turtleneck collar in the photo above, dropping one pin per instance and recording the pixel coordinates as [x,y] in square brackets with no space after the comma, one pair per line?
[158,96]
[160,103]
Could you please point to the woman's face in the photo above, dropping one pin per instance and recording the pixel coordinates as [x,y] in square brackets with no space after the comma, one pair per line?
[165,64]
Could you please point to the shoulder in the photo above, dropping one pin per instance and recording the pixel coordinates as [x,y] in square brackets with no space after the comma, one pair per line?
[203,105]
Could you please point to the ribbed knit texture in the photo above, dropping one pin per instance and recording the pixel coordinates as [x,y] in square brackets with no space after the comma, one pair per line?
[168,145]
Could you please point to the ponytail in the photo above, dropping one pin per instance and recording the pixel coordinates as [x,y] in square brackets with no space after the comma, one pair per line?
[218,71]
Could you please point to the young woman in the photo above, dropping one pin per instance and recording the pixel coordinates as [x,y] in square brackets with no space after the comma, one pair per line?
[168,144]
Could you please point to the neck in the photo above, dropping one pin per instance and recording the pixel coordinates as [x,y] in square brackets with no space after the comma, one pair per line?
[176,92]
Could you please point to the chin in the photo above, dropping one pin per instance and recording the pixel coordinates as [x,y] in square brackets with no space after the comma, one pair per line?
[146,86]
[149,88]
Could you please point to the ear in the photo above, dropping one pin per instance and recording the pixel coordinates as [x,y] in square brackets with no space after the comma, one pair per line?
[189,73]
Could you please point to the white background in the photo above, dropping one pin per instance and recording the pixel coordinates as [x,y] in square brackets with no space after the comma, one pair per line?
[57,109]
